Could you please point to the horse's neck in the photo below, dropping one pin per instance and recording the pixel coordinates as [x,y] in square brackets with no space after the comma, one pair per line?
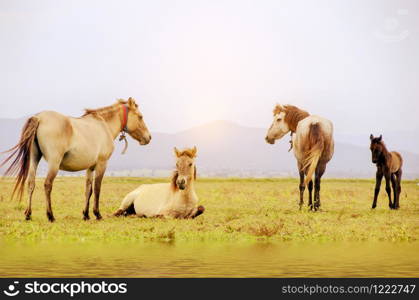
[114,125]
[386,156]
[293,125]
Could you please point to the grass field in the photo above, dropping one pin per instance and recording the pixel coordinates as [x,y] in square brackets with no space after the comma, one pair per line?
[243,213]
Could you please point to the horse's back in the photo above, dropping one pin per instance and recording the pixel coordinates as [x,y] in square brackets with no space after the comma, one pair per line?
[93,132]
[396,161]
[151,199]
[80,142]
[325,124]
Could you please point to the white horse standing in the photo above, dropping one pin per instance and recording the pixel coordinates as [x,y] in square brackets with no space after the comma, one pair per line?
[312,140]
[176,199]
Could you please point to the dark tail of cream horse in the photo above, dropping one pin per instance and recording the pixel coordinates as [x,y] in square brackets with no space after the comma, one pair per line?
[72,144]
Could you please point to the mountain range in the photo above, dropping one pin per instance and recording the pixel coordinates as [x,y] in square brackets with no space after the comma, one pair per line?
[228,149]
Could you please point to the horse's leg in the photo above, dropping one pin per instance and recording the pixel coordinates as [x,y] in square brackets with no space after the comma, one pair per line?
[99,172]
[378,179]
[200,210]
[302,188]
[310,194]
[395,189]
[53,167]
[89,182]
[318,174]
[196,212]
[127,206]
[388,189]
[35,158]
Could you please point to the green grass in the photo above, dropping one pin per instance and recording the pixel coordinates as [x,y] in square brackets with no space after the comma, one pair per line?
[238,210]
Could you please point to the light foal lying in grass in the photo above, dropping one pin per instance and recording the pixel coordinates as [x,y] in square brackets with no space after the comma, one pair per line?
[176,199]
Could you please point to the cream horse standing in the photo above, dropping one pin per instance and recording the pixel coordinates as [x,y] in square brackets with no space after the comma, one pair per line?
[176,199]
[73,144]
[312,140]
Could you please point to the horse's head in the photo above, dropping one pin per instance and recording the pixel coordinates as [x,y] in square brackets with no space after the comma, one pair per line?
[376,147]
[185,167]
[279,126]
[135,126]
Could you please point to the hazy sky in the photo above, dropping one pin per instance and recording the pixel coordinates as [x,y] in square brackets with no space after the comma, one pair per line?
[189,62]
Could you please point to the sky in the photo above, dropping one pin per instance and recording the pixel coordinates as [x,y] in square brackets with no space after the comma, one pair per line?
[355,62]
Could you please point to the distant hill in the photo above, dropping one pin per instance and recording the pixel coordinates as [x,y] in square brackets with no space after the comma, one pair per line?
[226,149]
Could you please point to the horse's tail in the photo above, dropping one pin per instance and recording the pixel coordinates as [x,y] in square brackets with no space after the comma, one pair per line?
[22,156]
[315,146]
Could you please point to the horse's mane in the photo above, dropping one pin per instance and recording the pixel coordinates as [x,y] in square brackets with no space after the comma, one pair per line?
[105,112]
[173,184]
[293,115]
[188,152]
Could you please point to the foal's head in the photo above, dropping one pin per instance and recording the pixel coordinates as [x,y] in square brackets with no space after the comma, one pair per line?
[185,167]
[377,147]
[285,120]
[135,123]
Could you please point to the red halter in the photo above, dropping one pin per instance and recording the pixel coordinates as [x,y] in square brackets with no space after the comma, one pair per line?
[124,118]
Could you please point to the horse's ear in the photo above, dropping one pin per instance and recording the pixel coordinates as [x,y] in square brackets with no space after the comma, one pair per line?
[380,138]
[371,137]
[131,103]
[278,108]
[194,150]
[177,152]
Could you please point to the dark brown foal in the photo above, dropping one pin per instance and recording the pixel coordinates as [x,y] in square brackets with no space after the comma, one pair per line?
[389,165]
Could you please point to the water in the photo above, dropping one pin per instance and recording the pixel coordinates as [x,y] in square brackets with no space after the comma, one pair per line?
[211,260]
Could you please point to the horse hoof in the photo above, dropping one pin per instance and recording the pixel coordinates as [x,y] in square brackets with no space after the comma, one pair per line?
[51,218]
[98,216]
[27,215]
[200,211]
[118,213]
[86,215]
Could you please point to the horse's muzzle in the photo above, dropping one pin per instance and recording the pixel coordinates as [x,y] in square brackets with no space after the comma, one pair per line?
[145,141]
[181,184]
[269,141]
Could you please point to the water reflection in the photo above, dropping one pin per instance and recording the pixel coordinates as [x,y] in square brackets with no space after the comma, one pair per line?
[211,260]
